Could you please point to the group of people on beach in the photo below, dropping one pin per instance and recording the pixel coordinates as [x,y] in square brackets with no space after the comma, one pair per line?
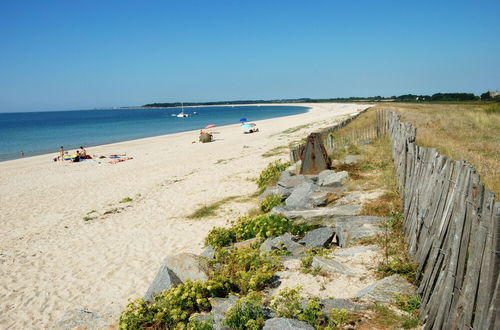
[79,155]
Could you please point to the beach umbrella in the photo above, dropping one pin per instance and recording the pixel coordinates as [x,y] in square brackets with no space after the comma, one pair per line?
[210,126]
[242,120]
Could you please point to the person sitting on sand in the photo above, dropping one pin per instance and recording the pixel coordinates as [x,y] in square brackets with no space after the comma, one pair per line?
[77,157]
[61,153]
[83,152]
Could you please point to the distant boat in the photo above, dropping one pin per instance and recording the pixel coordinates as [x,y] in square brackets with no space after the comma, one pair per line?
[182,114]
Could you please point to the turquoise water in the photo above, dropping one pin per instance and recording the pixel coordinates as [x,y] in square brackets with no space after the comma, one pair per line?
[36,133]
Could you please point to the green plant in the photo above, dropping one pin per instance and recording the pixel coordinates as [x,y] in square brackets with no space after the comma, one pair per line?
[271,174]
[200,325]
[279,150]
[247,313]
[338,318]
[493,108]
[312,314]
[269,202]
[172,308]
[87,218]
[126,200]
[220,237]
[409,322]
[398,265]
[408,303]
[287,303]
[267,225]
[210,210]
[243,270]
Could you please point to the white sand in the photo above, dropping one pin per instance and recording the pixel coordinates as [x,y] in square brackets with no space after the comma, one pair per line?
[52,260]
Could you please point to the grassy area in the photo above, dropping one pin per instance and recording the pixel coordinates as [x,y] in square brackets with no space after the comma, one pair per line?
[279,150]
[211,209]
[461,131]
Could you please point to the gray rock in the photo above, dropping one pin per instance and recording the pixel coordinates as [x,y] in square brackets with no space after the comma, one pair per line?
[328,304]
[385,289]
[331,178]
[187,266]
[351,159]
[284,242]
[82,319]
[164,280]
[318,238]
[349,229]
[281,323]
[318,198]
[324,216]
[300,196]
[247,243]
[355,250]
[276,190]
[287,180]
[332,266]
[209,252]
[222,305]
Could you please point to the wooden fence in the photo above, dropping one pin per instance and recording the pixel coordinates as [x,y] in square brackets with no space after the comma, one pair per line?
[453,228]
[331,143]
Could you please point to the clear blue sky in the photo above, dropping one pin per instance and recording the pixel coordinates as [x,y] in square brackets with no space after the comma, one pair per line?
[79,54]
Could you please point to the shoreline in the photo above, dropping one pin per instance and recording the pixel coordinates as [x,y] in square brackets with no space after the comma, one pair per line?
[53,260]
[308,108]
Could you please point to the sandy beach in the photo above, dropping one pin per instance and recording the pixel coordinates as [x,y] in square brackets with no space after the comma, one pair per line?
[51,260]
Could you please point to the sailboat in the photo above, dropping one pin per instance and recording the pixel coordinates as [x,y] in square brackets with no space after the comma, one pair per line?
[182,114]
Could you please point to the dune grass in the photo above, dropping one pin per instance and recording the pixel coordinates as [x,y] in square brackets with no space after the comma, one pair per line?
[210,210]
[460,131]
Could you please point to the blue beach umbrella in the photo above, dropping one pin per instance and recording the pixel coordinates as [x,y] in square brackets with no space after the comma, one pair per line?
[242,120]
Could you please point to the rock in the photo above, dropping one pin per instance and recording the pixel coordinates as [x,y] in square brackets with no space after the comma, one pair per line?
[318,238]
[222,305]
[349,229]
[85,320]
[276,190]
[187,266]
[209,252]
[318,198]
[300,196]
[287,180]
[331,178]
[164,280]
[281,323]
[385,289]
[328,304]
[355,250]
[351,159]
[332,266]
[324,216]
[247,243]
[284,242]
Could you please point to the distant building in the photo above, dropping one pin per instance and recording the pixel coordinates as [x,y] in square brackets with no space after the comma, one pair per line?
[494,94]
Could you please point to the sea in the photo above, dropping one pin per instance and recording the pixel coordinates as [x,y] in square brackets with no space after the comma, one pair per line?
[26,134]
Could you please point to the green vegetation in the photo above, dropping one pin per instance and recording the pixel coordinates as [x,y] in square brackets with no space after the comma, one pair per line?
[408,303]
[306,266]
[87,218]
[493,108]
[295,129]
[126,200]
[247,313]
[264,226]
[210,210]
[201,325]
[269,202]
[271,174]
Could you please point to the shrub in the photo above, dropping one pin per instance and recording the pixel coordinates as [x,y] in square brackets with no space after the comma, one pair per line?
[201,325]
[243,270]
[269,202]
[271,174]
[408,303]
[267,225]
[313,315]
[126,200]
[397,265]
[306,266]
[247,313]
[287,303]
[173,307]
[219,237]
[338,318]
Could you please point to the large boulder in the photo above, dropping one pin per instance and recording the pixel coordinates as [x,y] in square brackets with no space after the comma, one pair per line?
[332,266]
[187,266]
[85,320]
[318,238]
[222,305]
[300,196]
[276,190]
[285,243]
[281,323]
[209,252]
[386,289]
[290,180]
[331,178]
[164,280]
[324,216]
[349,229]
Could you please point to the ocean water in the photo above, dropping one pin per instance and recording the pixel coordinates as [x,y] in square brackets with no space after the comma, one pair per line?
[36,133]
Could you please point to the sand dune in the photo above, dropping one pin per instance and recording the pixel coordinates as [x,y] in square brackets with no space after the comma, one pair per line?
[52,260]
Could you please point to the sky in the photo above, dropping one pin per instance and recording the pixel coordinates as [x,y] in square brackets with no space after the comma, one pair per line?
[83,54]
